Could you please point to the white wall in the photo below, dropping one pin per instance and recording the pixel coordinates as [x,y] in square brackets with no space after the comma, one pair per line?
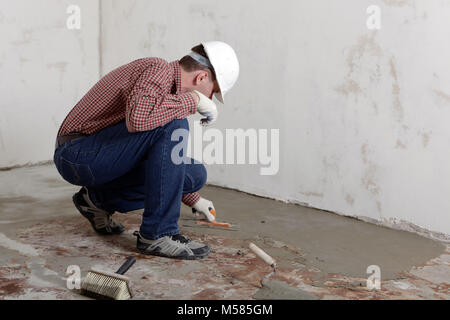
[363,115]
[44,70]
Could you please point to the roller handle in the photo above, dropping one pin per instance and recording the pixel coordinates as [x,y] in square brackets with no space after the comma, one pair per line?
[261,254]
[127,265]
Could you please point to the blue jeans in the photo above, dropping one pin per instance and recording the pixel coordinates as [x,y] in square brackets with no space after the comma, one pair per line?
[126,171]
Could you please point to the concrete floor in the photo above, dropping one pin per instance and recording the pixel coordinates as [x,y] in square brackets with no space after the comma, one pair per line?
[318,253]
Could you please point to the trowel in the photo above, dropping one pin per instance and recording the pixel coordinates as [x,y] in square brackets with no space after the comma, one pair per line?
[210,224]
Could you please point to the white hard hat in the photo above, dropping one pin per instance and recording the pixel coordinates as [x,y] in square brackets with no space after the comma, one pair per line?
[225,64]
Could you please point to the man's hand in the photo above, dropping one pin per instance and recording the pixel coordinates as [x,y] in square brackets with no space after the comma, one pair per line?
[205,207]
[196,97]
[206,107]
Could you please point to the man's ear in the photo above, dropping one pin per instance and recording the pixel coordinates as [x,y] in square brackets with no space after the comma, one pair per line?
[202,75]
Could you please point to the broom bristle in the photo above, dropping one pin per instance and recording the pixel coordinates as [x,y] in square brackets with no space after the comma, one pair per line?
[104,285]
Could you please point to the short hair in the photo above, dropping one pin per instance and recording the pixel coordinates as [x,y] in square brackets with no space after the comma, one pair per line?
[189,64]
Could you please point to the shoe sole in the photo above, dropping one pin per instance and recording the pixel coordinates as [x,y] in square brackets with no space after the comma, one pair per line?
[173,257]
[88,218]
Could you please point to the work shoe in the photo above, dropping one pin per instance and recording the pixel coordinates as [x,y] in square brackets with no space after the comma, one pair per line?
[177,247]
[100,219]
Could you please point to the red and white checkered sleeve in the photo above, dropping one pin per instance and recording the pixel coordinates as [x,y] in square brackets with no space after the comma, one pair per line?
[149,107]
[190,199]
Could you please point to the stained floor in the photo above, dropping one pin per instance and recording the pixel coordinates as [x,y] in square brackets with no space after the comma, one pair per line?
[319,254]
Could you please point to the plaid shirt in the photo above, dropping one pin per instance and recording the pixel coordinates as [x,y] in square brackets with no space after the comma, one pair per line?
[144,93]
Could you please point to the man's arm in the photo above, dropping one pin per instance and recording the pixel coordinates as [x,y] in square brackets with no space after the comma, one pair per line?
[190,199]
[149,107]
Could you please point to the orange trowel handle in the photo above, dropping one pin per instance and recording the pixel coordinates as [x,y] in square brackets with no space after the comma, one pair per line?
[214,223]
[212,211]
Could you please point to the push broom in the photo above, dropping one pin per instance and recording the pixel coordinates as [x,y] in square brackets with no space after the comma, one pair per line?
[108,286]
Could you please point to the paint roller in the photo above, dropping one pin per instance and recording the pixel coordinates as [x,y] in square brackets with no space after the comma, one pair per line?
[264,257]
[275,289]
